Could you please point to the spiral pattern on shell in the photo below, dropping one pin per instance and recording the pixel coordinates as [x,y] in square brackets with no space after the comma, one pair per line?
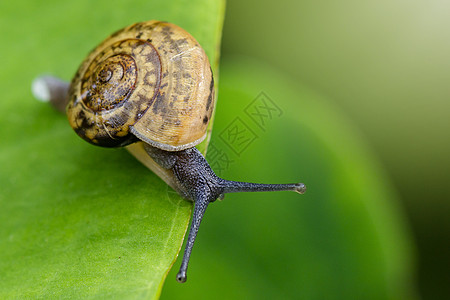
[110,83]
[150,81]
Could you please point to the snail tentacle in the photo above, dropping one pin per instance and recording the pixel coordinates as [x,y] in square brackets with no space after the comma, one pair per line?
[197,182]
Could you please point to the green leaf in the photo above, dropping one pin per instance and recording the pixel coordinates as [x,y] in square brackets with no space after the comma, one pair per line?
[344,239]
[77,221]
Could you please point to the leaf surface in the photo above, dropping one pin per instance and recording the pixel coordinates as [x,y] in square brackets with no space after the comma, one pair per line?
[77,221]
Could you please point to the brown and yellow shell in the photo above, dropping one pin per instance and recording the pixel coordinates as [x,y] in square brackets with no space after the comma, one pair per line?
[149,81]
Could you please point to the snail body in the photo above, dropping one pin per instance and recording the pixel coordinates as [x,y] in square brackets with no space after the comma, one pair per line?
[152,83]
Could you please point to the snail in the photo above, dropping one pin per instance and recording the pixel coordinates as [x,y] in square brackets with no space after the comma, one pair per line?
[151,82]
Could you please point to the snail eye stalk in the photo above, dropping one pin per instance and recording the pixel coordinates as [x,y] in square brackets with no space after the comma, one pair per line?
[198,182]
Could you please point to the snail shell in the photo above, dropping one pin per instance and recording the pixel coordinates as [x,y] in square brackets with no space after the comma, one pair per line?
[150,81]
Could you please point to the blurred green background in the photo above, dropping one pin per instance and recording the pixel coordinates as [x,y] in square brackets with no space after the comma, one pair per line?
[386,65]
[361,115]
